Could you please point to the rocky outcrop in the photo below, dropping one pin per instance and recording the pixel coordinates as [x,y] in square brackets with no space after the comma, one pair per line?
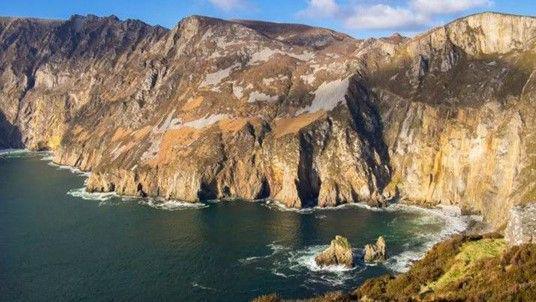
[339,252]
[521,227]
[303,115]
[376,252]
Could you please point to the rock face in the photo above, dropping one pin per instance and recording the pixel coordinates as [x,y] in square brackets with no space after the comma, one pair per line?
[521,227]
[339,252]
[303,115]
[376,252]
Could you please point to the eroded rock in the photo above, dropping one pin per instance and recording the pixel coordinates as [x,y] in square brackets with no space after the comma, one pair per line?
[303,115]
[339,252]
[376,252]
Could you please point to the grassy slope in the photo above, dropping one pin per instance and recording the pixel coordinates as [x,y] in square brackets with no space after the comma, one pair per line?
[462,268]
[477,268]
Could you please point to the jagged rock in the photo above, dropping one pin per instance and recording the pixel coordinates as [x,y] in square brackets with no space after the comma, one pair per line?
[303,115]
[339,252]
[376,252]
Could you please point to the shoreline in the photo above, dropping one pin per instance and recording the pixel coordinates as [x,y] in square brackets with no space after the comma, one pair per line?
[451,216]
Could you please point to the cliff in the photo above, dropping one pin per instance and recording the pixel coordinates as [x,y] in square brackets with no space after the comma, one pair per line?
[303,115]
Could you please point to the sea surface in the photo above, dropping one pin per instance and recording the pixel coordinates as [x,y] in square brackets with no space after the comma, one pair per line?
[58,243]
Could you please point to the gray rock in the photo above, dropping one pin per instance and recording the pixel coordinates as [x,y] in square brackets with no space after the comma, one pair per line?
[521,227]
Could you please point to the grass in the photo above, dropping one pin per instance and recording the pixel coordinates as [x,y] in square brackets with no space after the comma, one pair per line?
[465,260]
[462,269]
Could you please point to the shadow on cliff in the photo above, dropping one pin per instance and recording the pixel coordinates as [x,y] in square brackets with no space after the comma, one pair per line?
[10,136]
[368,124]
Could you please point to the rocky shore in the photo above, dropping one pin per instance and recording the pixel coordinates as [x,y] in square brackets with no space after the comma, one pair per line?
[216,109]
[472,266]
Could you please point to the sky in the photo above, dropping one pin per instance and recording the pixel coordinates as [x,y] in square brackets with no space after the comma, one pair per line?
[358,18]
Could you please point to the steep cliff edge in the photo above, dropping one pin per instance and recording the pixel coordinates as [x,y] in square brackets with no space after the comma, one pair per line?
[303,115]
[458,108]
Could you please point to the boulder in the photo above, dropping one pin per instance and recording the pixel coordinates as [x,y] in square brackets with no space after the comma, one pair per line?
[376,252]
[338,253]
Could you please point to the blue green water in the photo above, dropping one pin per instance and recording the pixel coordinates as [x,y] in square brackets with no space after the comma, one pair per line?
[58,247]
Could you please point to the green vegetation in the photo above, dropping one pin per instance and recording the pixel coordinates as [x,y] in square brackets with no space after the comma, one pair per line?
[461,269]
[465,260]
[342,242]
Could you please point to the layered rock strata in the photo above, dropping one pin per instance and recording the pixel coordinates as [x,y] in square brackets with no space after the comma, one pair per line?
[306,116]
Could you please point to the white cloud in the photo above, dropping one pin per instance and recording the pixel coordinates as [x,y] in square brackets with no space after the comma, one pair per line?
[320,9]
[441,7]
[409,15]
[228,5]
[383,16]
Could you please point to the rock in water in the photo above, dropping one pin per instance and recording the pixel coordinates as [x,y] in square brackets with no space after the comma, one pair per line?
[338,253]
[376,252]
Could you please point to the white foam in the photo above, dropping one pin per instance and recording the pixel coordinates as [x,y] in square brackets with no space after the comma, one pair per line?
[170,205]
[197,285]
[276,249]
[306,258]
[285,262]
[453,221]
[276,205]
[73,170]
[48,157]
[98,196]
[450,216]
[9,153]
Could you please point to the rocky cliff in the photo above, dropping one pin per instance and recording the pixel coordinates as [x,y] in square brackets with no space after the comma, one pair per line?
[302,115]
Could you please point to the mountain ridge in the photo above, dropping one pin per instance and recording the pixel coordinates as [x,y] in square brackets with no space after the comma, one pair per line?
[219,109]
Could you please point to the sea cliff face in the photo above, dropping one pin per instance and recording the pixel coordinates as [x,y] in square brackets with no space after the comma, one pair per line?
[303,115]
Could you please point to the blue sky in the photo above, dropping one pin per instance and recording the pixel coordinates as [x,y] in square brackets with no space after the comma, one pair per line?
[359,18]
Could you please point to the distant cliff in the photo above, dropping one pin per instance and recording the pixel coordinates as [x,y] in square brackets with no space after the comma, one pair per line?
[303,115]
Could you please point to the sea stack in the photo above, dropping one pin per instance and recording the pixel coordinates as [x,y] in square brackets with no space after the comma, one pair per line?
[338,253]
[376,252]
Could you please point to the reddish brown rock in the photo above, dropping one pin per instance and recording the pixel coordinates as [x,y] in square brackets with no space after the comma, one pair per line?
[303,115]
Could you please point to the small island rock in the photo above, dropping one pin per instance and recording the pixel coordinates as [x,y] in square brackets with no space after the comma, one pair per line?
[338,253]
[376,252]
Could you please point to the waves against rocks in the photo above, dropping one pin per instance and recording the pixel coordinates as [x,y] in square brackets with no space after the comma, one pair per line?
[303,115]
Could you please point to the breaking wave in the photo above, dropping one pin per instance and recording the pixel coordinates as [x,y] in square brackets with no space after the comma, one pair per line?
[70,169]
[98,196]
[453,223]
[203,287]
[286,262]
[14,153]
[157,203]
[170,205]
